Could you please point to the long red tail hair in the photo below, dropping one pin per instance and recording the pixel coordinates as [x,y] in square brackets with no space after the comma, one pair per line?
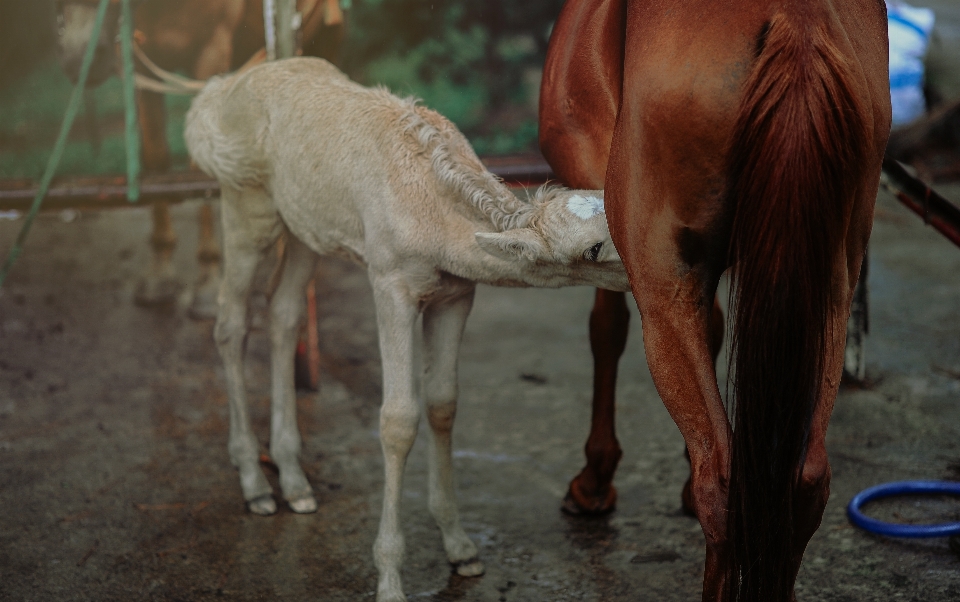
[794,156]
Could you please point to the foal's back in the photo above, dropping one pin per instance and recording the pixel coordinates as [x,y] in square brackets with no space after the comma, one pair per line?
[333,156]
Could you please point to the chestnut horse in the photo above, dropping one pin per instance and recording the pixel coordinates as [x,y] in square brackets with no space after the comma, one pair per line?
[202,38]
[745,134]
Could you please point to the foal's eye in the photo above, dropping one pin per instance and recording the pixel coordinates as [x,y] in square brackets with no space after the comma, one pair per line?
[593,252]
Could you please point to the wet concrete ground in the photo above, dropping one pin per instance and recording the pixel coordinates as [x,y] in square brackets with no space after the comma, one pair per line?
[115,482]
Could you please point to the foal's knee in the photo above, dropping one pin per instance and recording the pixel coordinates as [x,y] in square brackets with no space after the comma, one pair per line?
[398,428]
[440,398]
[441,415]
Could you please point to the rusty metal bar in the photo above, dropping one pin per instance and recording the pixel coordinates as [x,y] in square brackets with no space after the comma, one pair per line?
[935,210]
[110,191]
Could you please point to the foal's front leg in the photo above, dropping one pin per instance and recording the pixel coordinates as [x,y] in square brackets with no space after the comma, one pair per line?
[399,416]
[286,314]
[443,325]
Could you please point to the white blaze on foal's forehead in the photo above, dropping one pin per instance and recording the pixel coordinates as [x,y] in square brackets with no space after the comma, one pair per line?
[585,207]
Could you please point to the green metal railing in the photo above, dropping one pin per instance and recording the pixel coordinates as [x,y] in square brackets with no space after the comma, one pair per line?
[73,106]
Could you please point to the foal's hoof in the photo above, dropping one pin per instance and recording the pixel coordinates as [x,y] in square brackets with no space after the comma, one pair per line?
[577,503]
[304,505]
[263,505]
[469,568]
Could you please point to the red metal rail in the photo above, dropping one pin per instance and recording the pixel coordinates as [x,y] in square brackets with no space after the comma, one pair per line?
[935,210]
[110,191]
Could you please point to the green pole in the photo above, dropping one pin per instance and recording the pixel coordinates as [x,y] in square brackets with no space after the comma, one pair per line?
[61,143]
[129,98]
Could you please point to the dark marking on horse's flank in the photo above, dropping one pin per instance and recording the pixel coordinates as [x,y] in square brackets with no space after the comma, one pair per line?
[761,40]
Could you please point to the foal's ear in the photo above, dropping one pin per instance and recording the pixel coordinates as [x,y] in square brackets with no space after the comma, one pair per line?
[513,245]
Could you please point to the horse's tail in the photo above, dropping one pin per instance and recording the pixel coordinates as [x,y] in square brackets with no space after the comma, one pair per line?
[798,139]
[223,136]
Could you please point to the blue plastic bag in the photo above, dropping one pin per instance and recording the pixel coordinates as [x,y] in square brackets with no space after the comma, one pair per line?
[910,29]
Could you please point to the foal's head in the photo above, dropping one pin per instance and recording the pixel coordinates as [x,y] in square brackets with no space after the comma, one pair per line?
[566,227]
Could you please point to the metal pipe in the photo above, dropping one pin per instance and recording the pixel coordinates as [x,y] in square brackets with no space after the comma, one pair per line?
[110,191]
[935,210]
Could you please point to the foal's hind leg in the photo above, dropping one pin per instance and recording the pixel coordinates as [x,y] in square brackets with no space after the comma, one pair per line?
[592,492]
[286,314]
[246,239]
[443,330]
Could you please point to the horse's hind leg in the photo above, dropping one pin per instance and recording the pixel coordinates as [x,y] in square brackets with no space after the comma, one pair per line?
[676,339]
[813,490]
[592,491]
[204,302]
[245,242]
[159,285]
[443,330]
[286,314]
[715,331]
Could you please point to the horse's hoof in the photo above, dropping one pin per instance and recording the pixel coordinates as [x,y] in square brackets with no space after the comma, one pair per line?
[469,568]
[581,505]
[262,506]
[304,505]
[153,292]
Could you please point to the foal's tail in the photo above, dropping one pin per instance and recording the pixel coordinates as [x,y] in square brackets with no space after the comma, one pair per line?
[798,141]
[221,140]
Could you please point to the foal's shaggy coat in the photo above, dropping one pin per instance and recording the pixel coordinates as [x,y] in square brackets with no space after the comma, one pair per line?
[300,149]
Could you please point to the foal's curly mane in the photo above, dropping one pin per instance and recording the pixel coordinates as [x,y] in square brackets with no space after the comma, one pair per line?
[457,167]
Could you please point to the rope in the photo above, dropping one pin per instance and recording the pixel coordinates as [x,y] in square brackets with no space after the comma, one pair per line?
[61,143]
[169,83]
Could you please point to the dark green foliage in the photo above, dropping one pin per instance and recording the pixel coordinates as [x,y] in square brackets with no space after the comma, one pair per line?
[476,61]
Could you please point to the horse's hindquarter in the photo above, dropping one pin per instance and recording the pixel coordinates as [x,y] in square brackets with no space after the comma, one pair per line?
[581,90]
[684,72]
[682,76]
[871,53]
[749,132]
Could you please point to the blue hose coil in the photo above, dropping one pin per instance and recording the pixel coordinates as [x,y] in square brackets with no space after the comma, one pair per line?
[903,488]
